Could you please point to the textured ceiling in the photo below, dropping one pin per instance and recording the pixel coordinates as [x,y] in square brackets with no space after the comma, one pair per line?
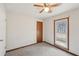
[29,9]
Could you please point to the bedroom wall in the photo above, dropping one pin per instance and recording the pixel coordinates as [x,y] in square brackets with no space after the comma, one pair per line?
[2,29]
[21,30]
[73,30]
[48,30]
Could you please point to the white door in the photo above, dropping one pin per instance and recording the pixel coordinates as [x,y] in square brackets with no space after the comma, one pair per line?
[2,36]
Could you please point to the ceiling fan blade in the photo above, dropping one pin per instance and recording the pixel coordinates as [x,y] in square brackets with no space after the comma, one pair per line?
[45,4]
[41,10]
[54,5]
[38,5]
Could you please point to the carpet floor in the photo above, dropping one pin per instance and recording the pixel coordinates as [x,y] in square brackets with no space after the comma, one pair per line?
[40,49]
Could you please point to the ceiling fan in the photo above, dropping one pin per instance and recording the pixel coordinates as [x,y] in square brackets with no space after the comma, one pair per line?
[47,7]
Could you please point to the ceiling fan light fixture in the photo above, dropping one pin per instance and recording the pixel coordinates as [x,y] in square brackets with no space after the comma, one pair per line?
[46,9]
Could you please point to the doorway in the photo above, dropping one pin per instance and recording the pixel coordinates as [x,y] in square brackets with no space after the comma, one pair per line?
[39,31]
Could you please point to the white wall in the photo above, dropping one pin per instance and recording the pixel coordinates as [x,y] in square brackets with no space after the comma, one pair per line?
[73,30]
[21,30]
[48,30]
[2,29]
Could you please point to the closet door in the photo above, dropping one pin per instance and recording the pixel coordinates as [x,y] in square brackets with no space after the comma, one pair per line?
[61,33]
[39,32]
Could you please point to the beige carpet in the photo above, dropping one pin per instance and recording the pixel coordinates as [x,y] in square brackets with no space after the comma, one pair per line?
[40,49]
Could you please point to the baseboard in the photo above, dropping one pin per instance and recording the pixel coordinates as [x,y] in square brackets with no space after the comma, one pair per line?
[21,47]
[45,42]
[62,49]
